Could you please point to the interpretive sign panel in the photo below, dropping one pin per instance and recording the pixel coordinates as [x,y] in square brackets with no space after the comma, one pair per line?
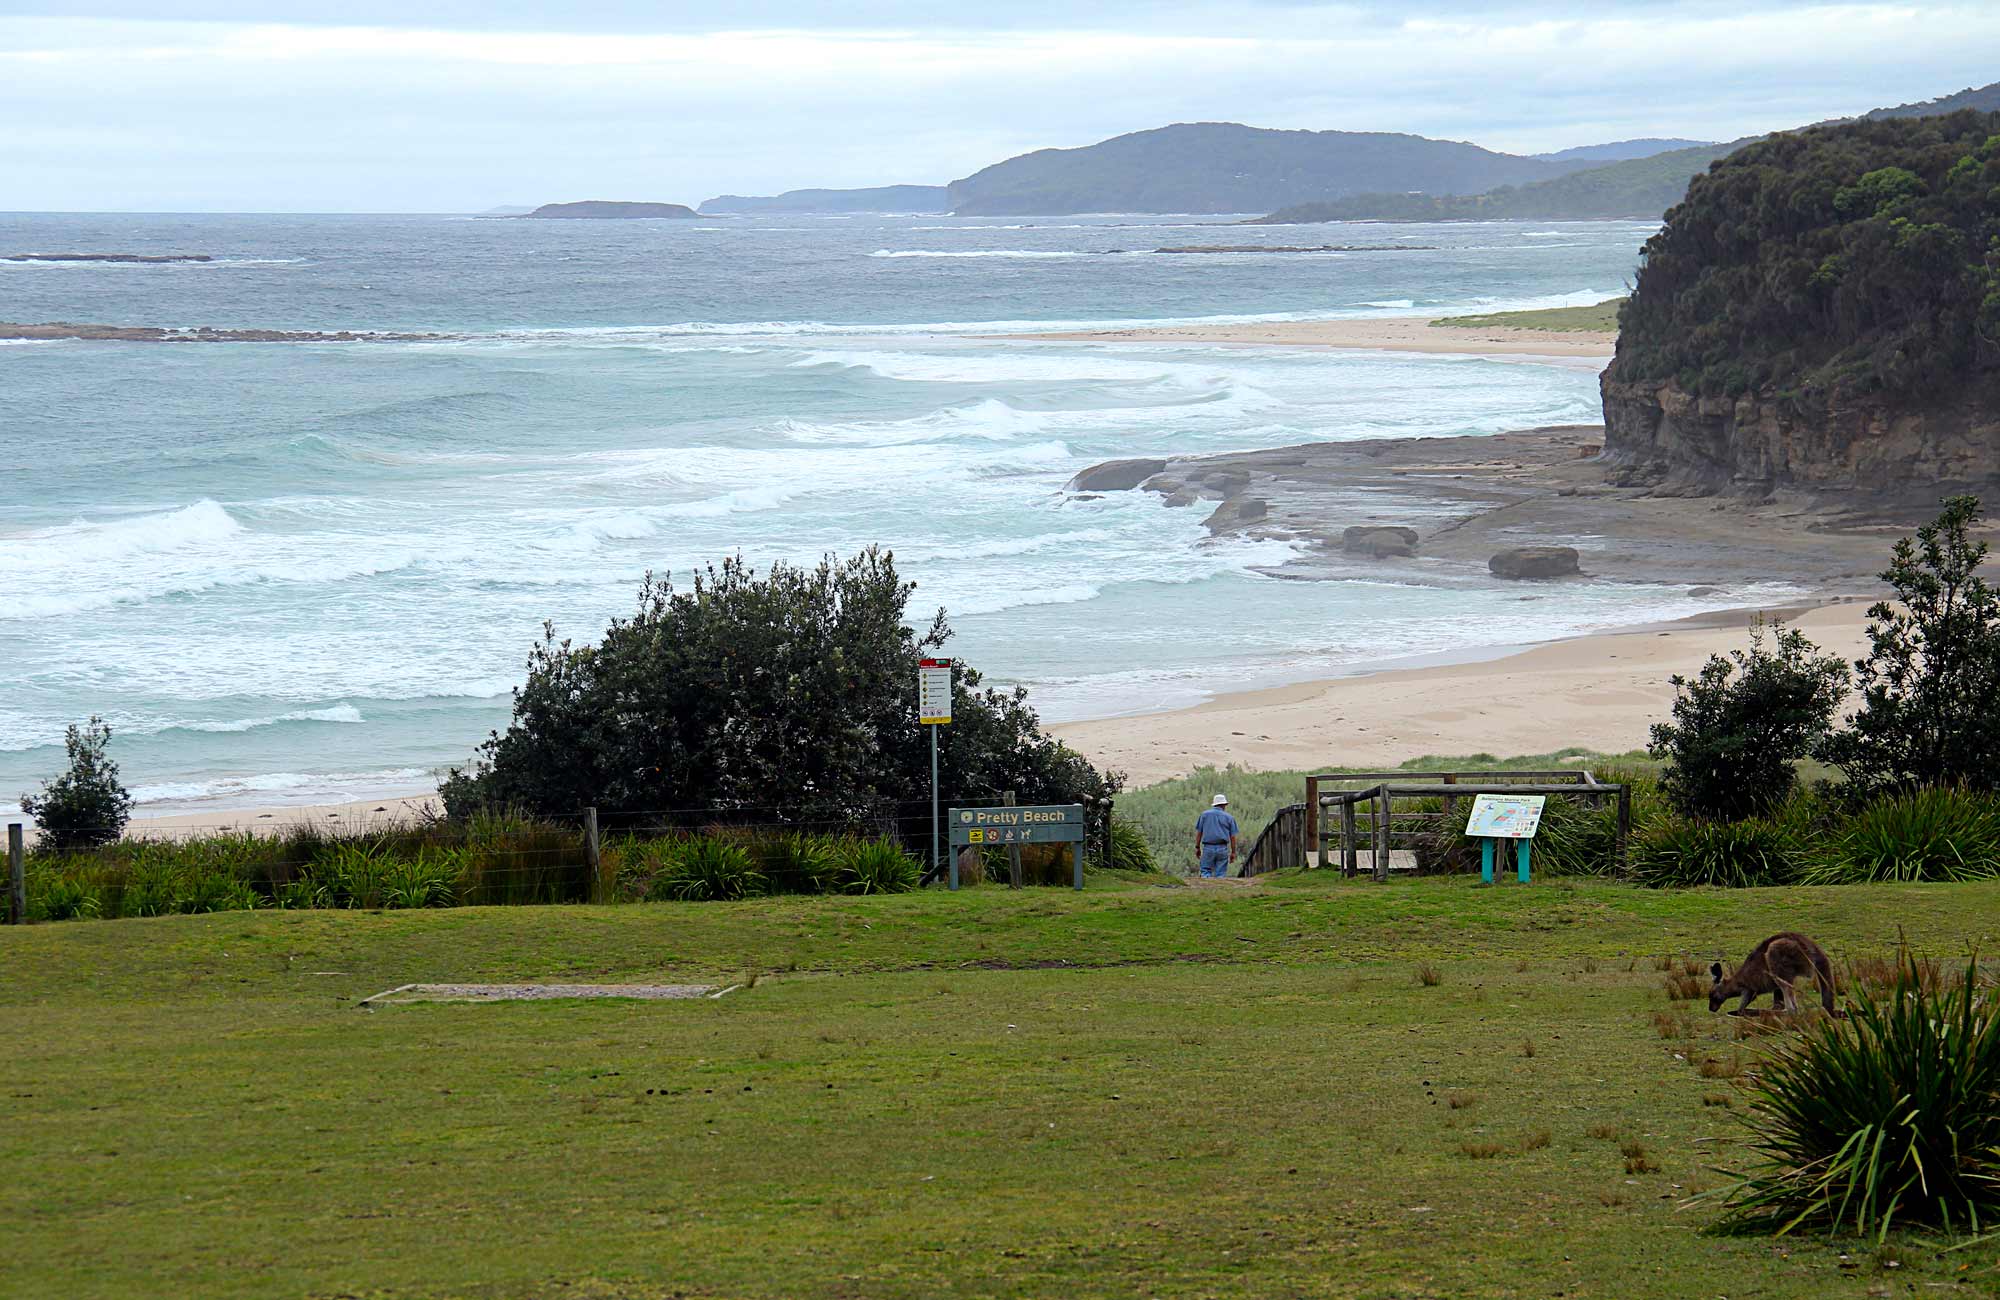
[934,691]
[1060,823]
[1505,816]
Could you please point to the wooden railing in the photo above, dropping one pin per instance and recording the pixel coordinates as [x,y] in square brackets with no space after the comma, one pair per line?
[1281,844]
[1380,790]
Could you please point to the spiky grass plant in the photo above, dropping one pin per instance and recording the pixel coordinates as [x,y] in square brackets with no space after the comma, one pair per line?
[1888,1118]
[1679,852]
[798,863]
[1130,850]
[709,868]
[877,867]
[1936,834]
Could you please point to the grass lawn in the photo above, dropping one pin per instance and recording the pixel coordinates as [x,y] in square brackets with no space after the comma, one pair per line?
[1238,1091]
[1601,316]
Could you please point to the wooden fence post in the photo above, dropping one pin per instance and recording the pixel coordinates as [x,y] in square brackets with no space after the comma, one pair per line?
[1013,850]
[1349,861]
[1624,825]
[1312,818]
[590,855]
[1382,832]
[17,877]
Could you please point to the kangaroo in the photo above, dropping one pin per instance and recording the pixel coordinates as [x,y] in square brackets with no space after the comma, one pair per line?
[1773,967]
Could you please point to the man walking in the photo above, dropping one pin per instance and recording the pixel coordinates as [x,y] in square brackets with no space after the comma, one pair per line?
[1215,839]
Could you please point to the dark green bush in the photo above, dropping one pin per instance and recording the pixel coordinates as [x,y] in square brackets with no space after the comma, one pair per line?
[1938,834]
[877,867]
[1677,852]
[801,680]
[1739,726]
[87,804]
[1888,1118]
[1932,675]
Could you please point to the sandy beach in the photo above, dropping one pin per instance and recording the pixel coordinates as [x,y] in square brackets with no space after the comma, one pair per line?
[1598,692]
[1386,334]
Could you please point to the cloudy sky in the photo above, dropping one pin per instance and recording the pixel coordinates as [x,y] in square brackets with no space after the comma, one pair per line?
[455,105]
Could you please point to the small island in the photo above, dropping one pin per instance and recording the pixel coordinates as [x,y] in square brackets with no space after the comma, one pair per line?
[608,210]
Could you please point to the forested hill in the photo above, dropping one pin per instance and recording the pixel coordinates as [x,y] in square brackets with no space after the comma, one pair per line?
[1213,167]
[1984,99]
[1637,187]
[1824,305]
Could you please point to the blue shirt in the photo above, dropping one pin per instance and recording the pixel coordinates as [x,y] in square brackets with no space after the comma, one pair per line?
[1215,826]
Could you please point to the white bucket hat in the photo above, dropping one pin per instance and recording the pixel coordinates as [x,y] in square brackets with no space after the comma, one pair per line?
[1221,800]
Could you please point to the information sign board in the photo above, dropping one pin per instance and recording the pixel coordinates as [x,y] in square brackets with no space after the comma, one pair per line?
[1035,824]
[934,692]
[1505,816]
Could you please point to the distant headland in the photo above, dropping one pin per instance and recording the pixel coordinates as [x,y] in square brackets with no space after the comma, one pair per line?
[609,210]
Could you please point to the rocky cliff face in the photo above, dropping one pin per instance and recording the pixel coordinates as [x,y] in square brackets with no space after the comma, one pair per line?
[1880,450]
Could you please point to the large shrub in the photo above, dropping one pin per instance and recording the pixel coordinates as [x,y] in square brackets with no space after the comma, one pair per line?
[1740,725]
[790,695]
[1888,1118]
[1931,680]
[87,804]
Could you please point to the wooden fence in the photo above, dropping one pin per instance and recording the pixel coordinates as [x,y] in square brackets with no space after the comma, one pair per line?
[1282,844]
[1373,796]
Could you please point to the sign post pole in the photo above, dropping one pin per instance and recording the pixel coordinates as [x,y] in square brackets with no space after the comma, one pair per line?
[934,711]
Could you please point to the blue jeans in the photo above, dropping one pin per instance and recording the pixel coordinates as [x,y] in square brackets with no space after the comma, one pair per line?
[1215,859]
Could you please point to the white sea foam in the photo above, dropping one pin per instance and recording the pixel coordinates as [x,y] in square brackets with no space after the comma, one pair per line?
[345,713]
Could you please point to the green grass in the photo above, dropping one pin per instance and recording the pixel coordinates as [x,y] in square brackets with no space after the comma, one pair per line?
[1132,1091]
[1601,316]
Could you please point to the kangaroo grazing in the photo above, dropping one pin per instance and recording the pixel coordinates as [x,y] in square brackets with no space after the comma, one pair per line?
[1774,966]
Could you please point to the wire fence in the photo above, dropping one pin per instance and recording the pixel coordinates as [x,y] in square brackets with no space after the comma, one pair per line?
[411,860]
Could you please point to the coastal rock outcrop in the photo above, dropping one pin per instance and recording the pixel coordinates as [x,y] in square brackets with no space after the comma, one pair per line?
[1237,511]
[1379,541]
[1116,475]
[133,259]
[51,330]
[1662,437]
[1536,562]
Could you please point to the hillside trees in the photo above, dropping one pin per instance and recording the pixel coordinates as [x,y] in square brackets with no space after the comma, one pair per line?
[1862,257]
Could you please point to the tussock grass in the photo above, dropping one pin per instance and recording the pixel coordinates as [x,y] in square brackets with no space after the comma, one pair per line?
[1888,1118]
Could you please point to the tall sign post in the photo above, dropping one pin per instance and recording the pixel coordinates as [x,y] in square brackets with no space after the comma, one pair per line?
[934,711]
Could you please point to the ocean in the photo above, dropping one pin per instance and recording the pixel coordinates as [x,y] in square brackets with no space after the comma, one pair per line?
[302,572]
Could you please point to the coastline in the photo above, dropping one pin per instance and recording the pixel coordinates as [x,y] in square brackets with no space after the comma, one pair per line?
[1382,334]
[1600,691]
